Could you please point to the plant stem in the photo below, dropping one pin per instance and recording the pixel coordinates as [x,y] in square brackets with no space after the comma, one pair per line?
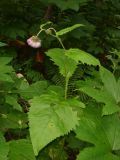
[66,77]
[56,36]
[59,39]
[40,32]
[66,86]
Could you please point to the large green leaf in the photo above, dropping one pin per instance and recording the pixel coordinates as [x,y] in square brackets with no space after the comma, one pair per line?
[49,118]
[100,94]
[64,58]
[108,93]
[96,153]
[34,89]
[103,97]
[21,150]
[102,132]
[84,57]
[110,83]
[66,65]
[4,148]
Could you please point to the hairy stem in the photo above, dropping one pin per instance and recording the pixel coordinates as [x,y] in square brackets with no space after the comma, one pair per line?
[66,86]
[41,30]
[59,39]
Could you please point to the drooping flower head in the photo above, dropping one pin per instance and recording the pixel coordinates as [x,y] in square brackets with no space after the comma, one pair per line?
[34,42]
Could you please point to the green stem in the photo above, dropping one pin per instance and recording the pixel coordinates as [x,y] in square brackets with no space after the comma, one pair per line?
[40,32]
[66,77]
[66,86]
[56,36]
[59,39]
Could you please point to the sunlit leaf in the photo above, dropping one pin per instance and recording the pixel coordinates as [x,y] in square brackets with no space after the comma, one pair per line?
[103,132]
[49,118]
[81,56]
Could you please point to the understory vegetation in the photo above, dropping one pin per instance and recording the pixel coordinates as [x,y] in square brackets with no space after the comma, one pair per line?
[60,80]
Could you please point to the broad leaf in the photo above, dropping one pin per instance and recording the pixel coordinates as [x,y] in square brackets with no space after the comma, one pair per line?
[96,153]
[102,132]
[4,148]
[69,29]
[21,150]
[100,95]
[34,89]
[110,83]
[76,103]
[64,58]
[66,65]
[84,57]
[49,118]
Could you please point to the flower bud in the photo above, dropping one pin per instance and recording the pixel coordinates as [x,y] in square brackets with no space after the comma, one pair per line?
[48,31]
[34,42]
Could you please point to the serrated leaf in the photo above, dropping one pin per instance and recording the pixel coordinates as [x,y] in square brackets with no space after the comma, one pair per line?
[58,56]
[110,83]
[69,29]
[101,95]
[96,153]
[49,118]
[103,132]
[84,57]
[21,150]
[76,103]
[4,148]
[34,89]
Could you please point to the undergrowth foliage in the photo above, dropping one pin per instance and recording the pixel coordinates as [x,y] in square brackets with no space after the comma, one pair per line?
[72,110]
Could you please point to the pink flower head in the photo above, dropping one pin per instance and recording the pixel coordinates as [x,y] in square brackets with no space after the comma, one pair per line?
[34,42]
